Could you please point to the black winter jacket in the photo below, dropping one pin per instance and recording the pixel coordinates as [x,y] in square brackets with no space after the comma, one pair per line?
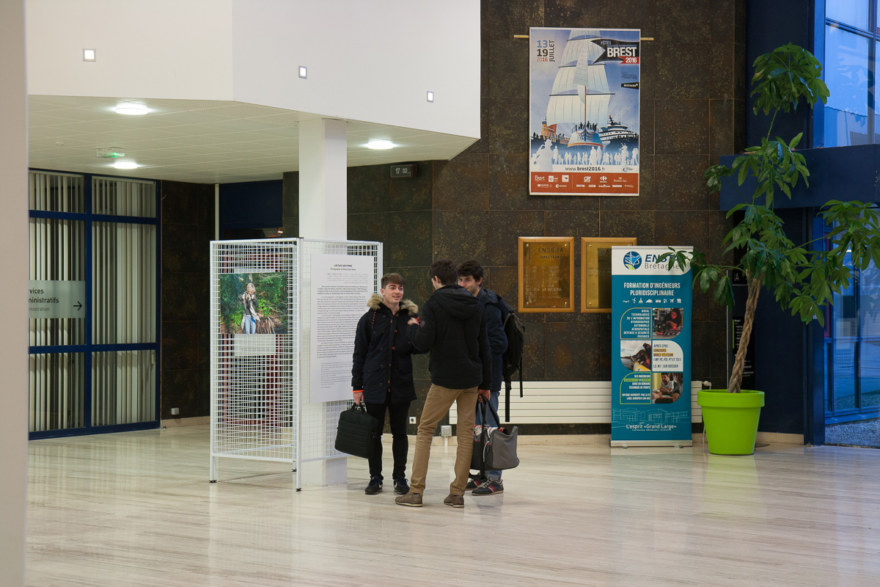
[382,361]
[494,320]
[453,329]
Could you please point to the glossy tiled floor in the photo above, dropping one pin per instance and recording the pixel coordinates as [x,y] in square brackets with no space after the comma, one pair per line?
[137,509]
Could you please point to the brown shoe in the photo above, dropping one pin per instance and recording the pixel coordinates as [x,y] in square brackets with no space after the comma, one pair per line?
[413,500]
[456,501]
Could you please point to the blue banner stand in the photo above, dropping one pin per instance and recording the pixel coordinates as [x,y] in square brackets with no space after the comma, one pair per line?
[650,349]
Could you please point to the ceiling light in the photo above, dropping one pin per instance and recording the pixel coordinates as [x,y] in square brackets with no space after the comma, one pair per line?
[131,109]
[89,55]
[429,96]
[380,144]
[125,164]
[303,72]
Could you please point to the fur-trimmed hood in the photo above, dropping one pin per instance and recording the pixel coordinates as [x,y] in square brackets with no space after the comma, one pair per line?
[375,302]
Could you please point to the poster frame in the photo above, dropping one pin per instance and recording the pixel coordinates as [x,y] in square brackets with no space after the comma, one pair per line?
[524,282]
[586,267]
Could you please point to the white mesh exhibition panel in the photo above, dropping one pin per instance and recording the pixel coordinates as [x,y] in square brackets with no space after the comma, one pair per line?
[260,406]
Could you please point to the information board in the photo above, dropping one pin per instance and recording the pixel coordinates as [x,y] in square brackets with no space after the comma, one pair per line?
[650,349]
[340,288]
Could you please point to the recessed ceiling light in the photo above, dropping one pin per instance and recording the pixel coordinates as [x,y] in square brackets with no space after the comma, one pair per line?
[380,144]
[125,164]
[429,96]
[89,54]
[303,71]
[131,109]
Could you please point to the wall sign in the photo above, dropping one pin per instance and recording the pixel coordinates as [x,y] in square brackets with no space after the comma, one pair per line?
[56,299]
[596,272]
[546,273]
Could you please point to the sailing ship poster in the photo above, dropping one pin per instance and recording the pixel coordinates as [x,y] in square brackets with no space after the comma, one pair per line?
[584,112]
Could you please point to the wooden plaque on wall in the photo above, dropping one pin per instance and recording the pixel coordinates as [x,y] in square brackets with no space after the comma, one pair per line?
[546,274]
[596,272]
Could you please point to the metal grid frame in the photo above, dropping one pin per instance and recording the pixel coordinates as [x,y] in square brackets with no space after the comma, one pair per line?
[260,408]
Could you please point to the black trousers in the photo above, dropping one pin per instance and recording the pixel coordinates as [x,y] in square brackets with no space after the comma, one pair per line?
[398,414]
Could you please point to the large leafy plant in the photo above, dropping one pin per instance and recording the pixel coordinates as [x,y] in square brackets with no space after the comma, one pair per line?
[803,277]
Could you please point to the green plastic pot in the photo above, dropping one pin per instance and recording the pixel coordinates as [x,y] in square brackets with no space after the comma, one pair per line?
[731,420]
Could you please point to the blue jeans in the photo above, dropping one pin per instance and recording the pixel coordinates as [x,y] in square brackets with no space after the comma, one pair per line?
[492,475]
[248,325]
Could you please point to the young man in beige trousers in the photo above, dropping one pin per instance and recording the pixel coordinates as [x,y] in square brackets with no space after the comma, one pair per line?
[452,328]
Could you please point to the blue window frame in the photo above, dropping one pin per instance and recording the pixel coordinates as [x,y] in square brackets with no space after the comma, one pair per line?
[846,41]
[94,363]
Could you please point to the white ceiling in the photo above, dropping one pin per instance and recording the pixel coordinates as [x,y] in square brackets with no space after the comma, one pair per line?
[202,141]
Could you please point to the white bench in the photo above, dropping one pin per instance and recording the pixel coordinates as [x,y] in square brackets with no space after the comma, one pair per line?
[566,402]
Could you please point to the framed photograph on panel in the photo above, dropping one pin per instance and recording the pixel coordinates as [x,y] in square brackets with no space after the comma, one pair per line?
[596,272]
[546,274]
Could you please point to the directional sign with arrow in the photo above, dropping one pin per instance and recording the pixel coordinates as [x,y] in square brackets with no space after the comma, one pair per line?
[56,298]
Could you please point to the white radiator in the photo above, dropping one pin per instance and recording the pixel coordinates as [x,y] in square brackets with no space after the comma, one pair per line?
[566,402]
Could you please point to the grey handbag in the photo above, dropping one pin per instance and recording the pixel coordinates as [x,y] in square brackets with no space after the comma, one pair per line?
[498,444]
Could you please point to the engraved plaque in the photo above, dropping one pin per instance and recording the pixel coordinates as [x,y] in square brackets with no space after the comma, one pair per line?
[596,272]
[546,271]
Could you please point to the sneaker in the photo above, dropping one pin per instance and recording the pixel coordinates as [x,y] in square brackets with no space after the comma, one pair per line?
[456,501]
[401,487]
[413,500]
[473,482]
[374,487]
[489,487]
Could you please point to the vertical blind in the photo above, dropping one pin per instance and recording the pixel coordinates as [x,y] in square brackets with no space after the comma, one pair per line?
[119,225]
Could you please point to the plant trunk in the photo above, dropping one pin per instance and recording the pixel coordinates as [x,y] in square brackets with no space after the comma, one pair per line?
[736,374]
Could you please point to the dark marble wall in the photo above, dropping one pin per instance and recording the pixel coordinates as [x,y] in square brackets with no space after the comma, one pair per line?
[477,204]
[397,212]
[692,111]
[290,204]
[187,229]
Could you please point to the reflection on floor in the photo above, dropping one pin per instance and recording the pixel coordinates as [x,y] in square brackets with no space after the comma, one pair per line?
[864,433]
[137,509]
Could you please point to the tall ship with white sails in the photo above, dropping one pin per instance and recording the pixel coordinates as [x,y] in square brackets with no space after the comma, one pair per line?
[578,105]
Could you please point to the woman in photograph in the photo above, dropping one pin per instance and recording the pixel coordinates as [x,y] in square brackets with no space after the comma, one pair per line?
[250,316]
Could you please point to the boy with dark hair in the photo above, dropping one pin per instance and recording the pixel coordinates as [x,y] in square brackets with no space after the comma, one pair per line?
[382,374]
[470,277]
[452,328]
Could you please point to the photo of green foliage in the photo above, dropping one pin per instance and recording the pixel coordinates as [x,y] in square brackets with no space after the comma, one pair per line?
[271,292]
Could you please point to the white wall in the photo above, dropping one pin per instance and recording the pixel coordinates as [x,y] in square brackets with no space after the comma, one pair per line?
[369,60]
[13,297]
[175,49]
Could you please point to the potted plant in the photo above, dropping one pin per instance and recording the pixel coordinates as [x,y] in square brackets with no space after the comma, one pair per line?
[802,277]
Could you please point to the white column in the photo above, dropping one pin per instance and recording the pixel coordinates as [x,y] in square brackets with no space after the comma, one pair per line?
[14,265]
[322,179]
[323,208]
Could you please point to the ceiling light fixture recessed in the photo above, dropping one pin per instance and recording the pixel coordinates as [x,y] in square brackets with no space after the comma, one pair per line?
[429,96]
[125,164]
[380,144]
[131,109]
[89,54]
[303,72]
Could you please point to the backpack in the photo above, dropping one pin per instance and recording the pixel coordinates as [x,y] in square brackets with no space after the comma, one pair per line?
[511,360]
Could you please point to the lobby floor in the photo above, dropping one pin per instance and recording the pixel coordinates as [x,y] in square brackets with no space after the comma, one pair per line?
[137,509]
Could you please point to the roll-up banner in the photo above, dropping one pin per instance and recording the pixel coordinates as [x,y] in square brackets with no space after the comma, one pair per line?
[650,349]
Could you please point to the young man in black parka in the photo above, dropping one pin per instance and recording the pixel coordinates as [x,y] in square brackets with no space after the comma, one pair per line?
[382,374]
